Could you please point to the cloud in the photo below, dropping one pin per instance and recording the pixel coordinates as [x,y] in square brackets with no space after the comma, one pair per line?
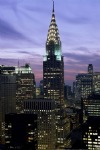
[76,20]
[73,18]
[24,52]
[8,31]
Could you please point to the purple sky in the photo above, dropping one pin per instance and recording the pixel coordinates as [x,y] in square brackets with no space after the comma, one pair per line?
[23,31]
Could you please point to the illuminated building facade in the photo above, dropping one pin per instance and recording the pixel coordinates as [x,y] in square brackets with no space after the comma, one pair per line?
[7,96]
[21,131]
[45,110]
[96,82]
[53,76]
[26,87]
[84,84]
[91,133]
[38,95]
[92,107]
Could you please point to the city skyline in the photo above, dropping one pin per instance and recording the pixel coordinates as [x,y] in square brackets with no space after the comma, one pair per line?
[24,27]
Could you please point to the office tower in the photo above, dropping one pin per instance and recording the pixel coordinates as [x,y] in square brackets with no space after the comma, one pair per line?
[53,66]
[91,128]
[96,82]
[53,76]
[91,105]
[90,68]
[25,86]
[84,84]
[67,92]
[91,133]
[7,96]
[8,89]
[45,110]
[21,131]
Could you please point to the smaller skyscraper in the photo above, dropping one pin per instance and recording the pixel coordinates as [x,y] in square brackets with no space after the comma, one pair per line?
[25,86]
[45,110]
[90,68]
[7,96]
[91,105]
[84,84]
[96,82]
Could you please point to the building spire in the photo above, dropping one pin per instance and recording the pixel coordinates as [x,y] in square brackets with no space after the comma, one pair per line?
[53,7]
[53,33]
[53,37]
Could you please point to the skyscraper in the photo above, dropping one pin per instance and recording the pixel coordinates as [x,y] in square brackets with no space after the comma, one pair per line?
[90,68]
[53,66]
[45,110]
[84,84]
[53,76]
[25,86]
[7,96]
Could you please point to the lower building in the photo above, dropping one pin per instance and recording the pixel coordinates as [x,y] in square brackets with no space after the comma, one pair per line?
[45,110]
[21,131]
[91,133]
[7,99]
[91,106]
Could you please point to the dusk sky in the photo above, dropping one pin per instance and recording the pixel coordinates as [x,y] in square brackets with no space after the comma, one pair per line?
[24,26]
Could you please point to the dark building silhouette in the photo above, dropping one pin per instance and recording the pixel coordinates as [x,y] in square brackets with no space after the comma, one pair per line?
[7,96]
[67,92]
[41,88]
[21,131]
[90,68]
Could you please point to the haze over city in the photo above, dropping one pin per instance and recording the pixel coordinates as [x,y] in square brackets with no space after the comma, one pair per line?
[23,32]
